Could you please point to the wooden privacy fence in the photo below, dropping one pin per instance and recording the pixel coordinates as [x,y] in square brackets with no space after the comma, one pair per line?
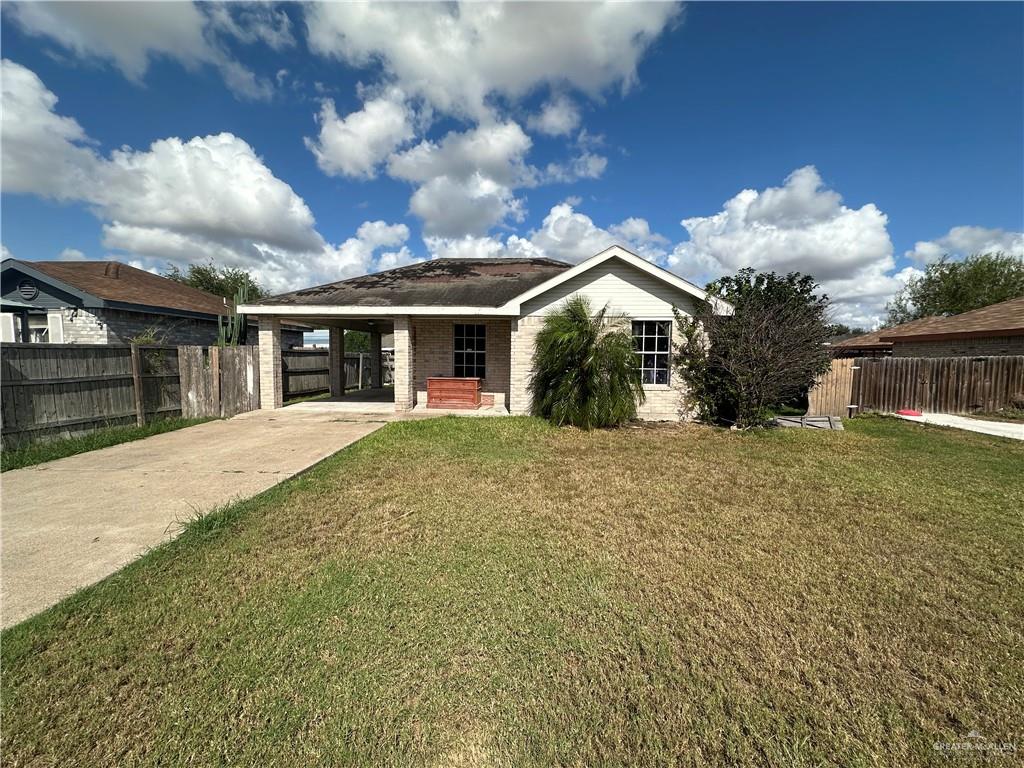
[831,395]
[927,384]
[219,381]
[307,371]
[60,390]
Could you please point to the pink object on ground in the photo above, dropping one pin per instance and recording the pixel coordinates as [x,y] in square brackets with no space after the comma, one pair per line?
[908,412]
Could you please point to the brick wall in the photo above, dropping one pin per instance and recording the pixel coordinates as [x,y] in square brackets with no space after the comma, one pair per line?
[83,327]
[984,347]
[662,402]
[122,327]
[271,376]
[433,351]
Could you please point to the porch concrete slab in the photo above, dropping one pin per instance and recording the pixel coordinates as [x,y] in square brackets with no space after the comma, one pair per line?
[1009,429]
[71,522]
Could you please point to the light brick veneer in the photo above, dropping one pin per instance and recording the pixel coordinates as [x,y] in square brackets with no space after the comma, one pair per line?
[662,403]
[983,347]
[271,383]
[433,347]
[336,361]
[404,394]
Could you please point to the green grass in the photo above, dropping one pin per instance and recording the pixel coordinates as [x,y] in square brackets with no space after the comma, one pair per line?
[1007,414]
[48,450]
[495,592]
[307,398]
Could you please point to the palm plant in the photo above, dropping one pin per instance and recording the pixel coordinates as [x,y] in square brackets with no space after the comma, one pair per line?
[585,368]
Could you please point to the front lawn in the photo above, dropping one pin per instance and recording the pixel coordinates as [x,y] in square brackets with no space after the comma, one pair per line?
[478,592]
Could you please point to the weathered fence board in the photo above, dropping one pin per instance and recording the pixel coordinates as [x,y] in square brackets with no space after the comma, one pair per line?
[307,371]
[928,384]
[831,395]
[938,385]
[239,379]
[61,390]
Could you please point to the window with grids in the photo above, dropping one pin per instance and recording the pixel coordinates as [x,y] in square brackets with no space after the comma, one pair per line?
[470,351]
[651,343]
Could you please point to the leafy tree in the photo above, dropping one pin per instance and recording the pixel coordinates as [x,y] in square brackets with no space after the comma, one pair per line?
[767,352]
[220,281]
[951,287]
[842,329]
[585,368]
[357,341]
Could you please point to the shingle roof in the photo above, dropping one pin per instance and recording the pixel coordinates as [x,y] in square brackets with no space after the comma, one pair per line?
[864,340]
[114,281]
[1003,319]
[440,282]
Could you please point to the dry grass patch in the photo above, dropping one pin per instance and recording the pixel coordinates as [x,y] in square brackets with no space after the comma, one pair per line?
[496,592]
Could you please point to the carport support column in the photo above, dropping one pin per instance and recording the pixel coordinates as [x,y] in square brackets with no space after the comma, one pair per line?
[336,360]
[271,379]
[403,363]
[375,379]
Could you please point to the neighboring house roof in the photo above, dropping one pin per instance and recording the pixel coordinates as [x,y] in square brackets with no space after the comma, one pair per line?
[456,286]
[111,283]
[437,283]
[864,341]
[1003,319]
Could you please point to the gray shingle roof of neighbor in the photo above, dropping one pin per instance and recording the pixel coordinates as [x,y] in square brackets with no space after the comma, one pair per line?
[435,283]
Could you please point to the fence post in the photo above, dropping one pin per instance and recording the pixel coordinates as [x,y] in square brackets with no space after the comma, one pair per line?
[140,413]
[218,408]
[360,385]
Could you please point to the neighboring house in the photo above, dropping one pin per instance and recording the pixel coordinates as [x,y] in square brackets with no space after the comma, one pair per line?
[107,302]
[865,345]
[478,319]
[997,329]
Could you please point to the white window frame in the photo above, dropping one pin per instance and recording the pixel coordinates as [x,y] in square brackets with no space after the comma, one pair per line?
[667,353]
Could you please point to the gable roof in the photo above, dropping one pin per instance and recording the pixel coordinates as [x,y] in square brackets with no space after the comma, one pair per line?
[455,286]
[620,253]
[436,283]
[1003,319]
[102,283]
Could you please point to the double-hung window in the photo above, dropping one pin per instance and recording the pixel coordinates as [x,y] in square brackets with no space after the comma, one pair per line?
[470,351]
[651,340]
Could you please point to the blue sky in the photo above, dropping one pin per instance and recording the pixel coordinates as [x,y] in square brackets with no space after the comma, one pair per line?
[856,142]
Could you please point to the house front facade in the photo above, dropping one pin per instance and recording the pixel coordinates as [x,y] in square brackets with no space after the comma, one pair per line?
[476,320]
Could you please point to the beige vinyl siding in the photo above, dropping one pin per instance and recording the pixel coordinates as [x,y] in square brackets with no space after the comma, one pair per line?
[625,289]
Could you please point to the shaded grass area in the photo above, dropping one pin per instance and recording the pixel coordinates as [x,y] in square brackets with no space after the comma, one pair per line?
[496,592]
[48,450]
[1007,414]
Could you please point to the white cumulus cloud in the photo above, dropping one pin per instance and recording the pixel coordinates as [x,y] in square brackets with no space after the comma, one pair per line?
[210,197]
[130,34]
[356,144]
[456,56]
[964,241]
[558,117]
[801,226]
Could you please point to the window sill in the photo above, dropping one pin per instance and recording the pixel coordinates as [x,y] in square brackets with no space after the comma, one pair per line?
[657,387]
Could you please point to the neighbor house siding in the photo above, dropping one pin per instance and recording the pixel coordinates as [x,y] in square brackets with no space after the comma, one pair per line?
[625,290]
[983,347]
[433,343]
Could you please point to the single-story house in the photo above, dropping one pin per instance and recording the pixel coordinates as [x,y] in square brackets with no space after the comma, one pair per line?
[995,330]
[864,345]
[459,321]
[107,302]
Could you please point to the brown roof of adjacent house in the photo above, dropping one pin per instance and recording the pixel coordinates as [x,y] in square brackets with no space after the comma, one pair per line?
[439,282]
[114,281]
[1003,319]
[864,341]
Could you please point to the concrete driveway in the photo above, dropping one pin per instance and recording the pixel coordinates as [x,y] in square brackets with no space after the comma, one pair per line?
[69,523]
[1010,429]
